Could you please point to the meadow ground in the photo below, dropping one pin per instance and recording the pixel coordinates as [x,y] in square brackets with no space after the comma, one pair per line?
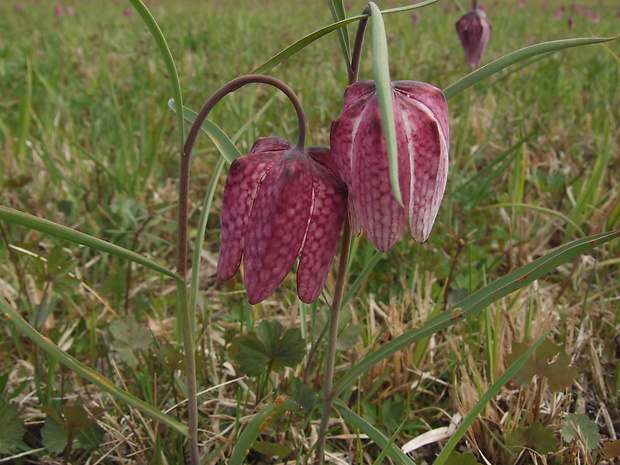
[87,140]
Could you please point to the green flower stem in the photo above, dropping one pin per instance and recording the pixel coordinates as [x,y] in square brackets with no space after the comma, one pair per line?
[330,357]
[357,47]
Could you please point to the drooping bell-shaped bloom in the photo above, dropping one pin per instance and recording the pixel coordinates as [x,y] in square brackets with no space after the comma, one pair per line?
[359,149]
[281,202]
[474,31]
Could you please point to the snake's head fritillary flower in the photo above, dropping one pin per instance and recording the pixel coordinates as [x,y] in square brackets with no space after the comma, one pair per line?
[358,146]
[474,31]
[281,202]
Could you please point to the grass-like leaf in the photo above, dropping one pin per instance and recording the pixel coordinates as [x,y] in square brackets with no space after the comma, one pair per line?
[71,235]
[162,45]
[383,87]
[307,40]
[479,300]
[337,9]
[485,399]
[91,375]
[221,140]
[515,57]
[394,452]
[269,414]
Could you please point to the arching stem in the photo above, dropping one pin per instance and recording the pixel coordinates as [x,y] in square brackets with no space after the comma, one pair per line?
[184,312]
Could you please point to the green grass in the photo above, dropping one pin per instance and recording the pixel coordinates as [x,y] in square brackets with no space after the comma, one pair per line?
[87,140]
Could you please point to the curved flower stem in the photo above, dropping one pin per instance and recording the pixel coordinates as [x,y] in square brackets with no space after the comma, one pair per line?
[332,337]
[357,47]
[229,87]
[184,311]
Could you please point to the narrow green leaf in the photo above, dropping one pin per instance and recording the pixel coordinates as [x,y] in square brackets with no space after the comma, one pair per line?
[338,14]
[71,235]
[221,140]
[514,57]
[383,88]
[91,375]
[394,452]
[361,279]
[160,40]
[479,300]
[269,414]
[307,40]
[485,399]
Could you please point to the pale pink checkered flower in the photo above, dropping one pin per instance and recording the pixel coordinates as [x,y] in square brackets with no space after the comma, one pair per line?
[474,30]
[359,149]
[281,202]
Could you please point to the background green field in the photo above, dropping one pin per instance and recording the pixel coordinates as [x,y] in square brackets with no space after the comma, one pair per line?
[87,140]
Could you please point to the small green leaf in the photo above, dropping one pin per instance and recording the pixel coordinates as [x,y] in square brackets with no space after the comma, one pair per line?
[12,428]
[257,350]
[456,458]
[130,337]
[536,436]
[271,449]
[54,436]
[580,427]
[548,361]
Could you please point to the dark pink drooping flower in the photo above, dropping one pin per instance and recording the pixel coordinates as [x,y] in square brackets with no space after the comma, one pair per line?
[281,202]
[474,30]
[359,149]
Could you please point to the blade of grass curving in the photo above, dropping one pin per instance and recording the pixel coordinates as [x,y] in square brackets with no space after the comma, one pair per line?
[91,375]
[549,211]
[307,40]
[282,405]
[361,278]
[338,14]
[479,300]
[516,56]
[383,89]
[71,235]
[485,399]
[200,234]
[221,140]
[160,40]
[385,443]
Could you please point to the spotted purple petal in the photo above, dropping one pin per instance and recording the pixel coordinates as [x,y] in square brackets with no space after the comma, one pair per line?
[358,146]
[280,201]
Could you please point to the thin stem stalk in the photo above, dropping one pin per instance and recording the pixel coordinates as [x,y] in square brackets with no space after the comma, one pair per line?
[330,357]
[185,313]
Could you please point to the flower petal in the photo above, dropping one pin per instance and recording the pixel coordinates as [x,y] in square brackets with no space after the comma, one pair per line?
[242,183]
[425,117]
[327,215]
[277,226]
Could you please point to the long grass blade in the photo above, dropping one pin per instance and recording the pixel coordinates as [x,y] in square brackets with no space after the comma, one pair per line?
[374,434]
[162,45]
[485,399]
[338,14]
[383,88]
[91,375]
[221,140]
[71,235]
[479,300]
[514,57]
[307,40]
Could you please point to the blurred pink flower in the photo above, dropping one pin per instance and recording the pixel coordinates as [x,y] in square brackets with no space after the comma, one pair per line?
[558,14]
[521,3]
[474,31]
[415,18]
[70,11]
[596,17]
[126,12]
[58,11]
